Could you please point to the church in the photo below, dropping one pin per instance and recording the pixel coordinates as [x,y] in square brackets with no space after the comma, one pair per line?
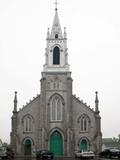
[56,119]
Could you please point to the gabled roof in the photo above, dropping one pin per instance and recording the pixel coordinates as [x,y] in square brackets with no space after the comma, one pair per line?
[28,103]
[107,140]
[81,102]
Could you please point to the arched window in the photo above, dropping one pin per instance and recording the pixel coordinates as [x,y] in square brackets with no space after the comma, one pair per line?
[56,108]
[56,36]
[84,123]
[56,55]
[27,124]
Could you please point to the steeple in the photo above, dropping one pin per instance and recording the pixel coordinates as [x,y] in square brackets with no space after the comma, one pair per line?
[56,31]
[56,52]
[96,103]
[15,103]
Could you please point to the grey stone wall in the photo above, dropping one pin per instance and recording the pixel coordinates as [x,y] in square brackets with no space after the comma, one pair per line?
[31,109]
[73,108]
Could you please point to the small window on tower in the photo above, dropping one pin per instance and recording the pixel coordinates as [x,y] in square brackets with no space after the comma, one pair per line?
[56,36]
[56,55]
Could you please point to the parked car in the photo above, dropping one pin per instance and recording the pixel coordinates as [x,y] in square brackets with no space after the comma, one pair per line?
[84,154]
[110,153]
[6,153]
[44,154]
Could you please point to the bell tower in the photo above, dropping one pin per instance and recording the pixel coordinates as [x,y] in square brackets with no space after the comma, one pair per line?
[56,55]
[56,91]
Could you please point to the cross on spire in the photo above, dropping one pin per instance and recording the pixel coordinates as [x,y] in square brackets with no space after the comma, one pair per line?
[56,3]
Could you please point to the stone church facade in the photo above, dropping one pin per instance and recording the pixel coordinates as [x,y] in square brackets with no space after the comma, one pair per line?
[56,119]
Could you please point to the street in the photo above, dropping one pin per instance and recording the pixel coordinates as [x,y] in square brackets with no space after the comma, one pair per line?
[61,158]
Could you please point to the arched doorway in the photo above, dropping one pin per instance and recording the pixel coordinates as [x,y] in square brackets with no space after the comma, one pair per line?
[56,143]
[27,147]
[84,145]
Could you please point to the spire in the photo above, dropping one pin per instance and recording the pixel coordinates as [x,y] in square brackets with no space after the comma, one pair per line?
[96,103]
[56,31]
[56,52]
[15,103]
[56,3]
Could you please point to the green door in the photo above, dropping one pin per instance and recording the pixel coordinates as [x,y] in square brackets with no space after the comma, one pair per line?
[56,143]
[83,145]
[27,147]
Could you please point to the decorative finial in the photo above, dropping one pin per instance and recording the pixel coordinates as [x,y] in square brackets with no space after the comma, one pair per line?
[65,34]
[15,99]
[56,3]
[15,103]
[96,99]
[96,102]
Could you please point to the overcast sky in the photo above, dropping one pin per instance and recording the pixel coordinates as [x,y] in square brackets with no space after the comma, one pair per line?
[93,31]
